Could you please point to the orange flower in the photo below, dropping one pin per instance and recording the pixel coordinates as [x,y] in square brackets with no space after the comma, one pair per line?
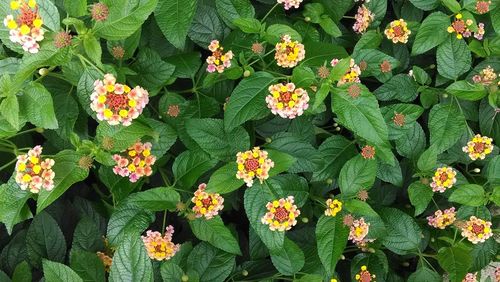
[398,31]
[282,214]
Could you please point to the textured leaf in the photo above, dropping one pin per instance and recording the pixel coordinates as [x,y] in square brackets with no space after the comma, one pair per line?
[468,194]
[420,196]
[156,199]
[308,158]
[229,10]
[446,125]
[189,166]
[331,236]
[53,271]
[210,263]
[400,87]
[214,232]
[289,259]
[453,58]
[206,26]
[425,274]
[365,172]
[174,18]
[36,104]
[224,180]
[13,207]
[454,260]
[45,240]
[123,136]
[88,266]
[131,262]
[152,72]
[432,32]
[127,221]
[467,91]
[336,151]
[403,233]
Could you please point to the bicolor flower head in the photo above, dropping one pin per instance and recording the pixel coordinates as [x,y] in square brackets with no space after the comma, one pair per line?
[486,76]
[333,206]
[135,162]
[364,17]
[290,3]
[160,247]
[33,172]
[206,204]
[219,60]
[106,260]
[368,152]
[398,31]
[281,214]
[358,231]
[289,53]
[478,147]
[470,277]
[480,31]
[441,219]
[477,230]
[252,164]
[443,179]
[287,101]
[25,25]
[117,103]
[364,275]
[351,75]
[483,7]
[460,27]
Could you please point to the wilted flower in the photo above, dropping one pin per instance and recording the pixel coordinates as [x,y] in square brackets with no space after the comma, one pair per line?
[106,260]
[323,72]
[282,214]
[62,39]
[118,52]
[364,18]
[333,206]
[99,12]
[441,219]
[443,179]
[398,31]
[364,275]
[206,204]
[218,61]
[368,152]
[160,247]
[253,164]
[354,91]
[478,147]
[351,75]
[399,119]
[33,173]
[385,66]
[483,7]
[486,76]
[480,31]
[173,110]
[348,220]
[290,3]
[135,162]
[287,101]
[460,27]
[25,27]
[470,277]
[117,103]
[257,48]
[477,230]
[288,52]
[362,195]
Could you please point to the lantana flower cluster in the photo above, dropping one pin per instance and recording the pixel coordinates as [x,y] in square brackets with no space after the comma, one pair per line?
[398,31]
[479,147]
[287,101]
[252,164]
[206,204]
[443,179]
[25,25]
[160,247]
[477,230]
[486,76]
[282,214]
[290,3]
[482,6]
[219,60]
[333,207]
[358,231]
[289,53]
[33,172]
[442,219]
[364,17]
[460,27]
[117,103]
[364,275]
[135,162]
[351,75]
[470,277]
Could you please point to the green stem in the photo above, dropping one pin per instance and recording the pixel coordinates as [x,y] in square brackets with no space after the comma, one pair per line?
[23,132]
[8,164]
[268,13]
[164,222]
[85,61]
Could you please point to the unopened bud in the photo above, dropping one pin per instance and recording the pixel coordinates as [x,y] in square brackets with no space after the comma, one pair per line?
[405,264]
[337,128]
[244,272]
[246,73]
[184,278]
[335,124]
[477,170]
[407,206]
[433,240]
[269,140]
[39,130]
[307,19]
[433,66]
[43,71]
[342,257]
[329,181]
[191,216]
[445,95]
[305,220]
[371,250]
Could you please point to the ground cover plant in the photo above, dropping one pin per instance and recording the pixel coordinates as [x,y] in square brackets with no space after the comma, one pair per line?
[238,140]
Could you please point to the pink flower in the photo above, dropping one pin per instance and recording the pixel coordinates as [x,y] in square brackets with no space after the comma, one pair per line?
[33,173]
[290,3]
[160,247]
[135,162]
[287,101]
[206,205]
[218,61]
[281,214]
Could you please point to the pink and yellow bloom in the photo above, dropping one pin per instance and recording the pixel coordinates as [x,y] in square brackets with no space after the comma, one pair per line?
[25,26]
[460,27]
[478,147]
[33,172]
[442,219]
[287,101]
[486,76]
[470,277]
[289,53]
[117,103]
[252,164]
[398,31]
[443,179]
[358,231]
[364,275]
[282,214]
[160,247]
[483,7]
[333,207]
[364,17]
[135,162]
[477,230]
[351,75]
[290,3]
[206,204]
[219,60]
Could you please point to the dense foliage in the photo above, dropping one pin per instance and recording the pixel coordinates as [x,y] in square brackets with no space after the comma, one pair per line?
[238,140]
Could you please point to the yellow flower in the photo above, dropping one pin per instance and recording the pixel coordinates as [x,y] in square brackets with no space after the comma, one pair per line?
[24,29]
[14,5]
[37,23]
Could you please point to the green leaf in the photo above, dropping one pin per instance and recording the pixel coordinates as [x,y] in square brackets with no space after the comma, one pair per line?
[248,25]
[9,109]
[319,53]
[403,233]
[36,104]
[303,77]
[163,137]
[174,18]
[22,273]
[131,262]
[453,58]
[339,70]
[482,254]
[50,15]
[127,221]
[400,87]
[87,265]
[427,160]
[320,96]
[58,272]
[87,236]
[85,88]
[186,65]
[373,59]
[206,26]
[93,49]
[467,91]
[336,151]
[452,5]
[210,263]
[365,172]
[369,40]
[425,5]
[119,186]
[495,196]
[425,274]
[412,143]
[210,135]
[289,259]
[14,252]
[446,125]
[469,195]
[153,73]
[432,32]
[411,113]
[275,31]
[216,233]
[285,185]
[13,208]
[361,115]
[156,199]
[171,272]
[45,240]
[456,261]
[122,136]
[308,158]
[76,8]
[248,100]
[282,161]
[67,172]
[329,26]
[230,10]
[189,166]
[420,196]
[125,17]
[331,239]
[390,173]
[224,180]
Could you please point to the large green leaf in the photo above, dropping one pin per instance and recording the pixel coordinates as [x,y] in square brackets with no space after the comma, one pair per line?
[400,87]
[152,72]
[420,196]
[58,272]
[87,236]
[206,26]
[123,136]
[174,18]
[156,199]
[308,158]
[216,233]
[453,58]
[455,261]
[469,195]
[189,166]
[412,143]
[128,220]
[331,239]
[36,104]
[431,33]
[403,233]
[365,172]
[289,259]
[13,207]
[425,5]
[224,180]
[45,240]
[210,263]
[88,266]
[467,91]
[229,10]
[425,274]
[336,151]
[171,272]
[446,126]
[131,262]
[9,110]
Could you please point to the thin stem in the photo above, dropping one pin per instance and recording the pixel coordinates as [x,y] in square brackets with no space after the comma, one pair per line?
[164,222]
[86,61]
[435,203]
[23,132]
[268,13]
[8,164]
